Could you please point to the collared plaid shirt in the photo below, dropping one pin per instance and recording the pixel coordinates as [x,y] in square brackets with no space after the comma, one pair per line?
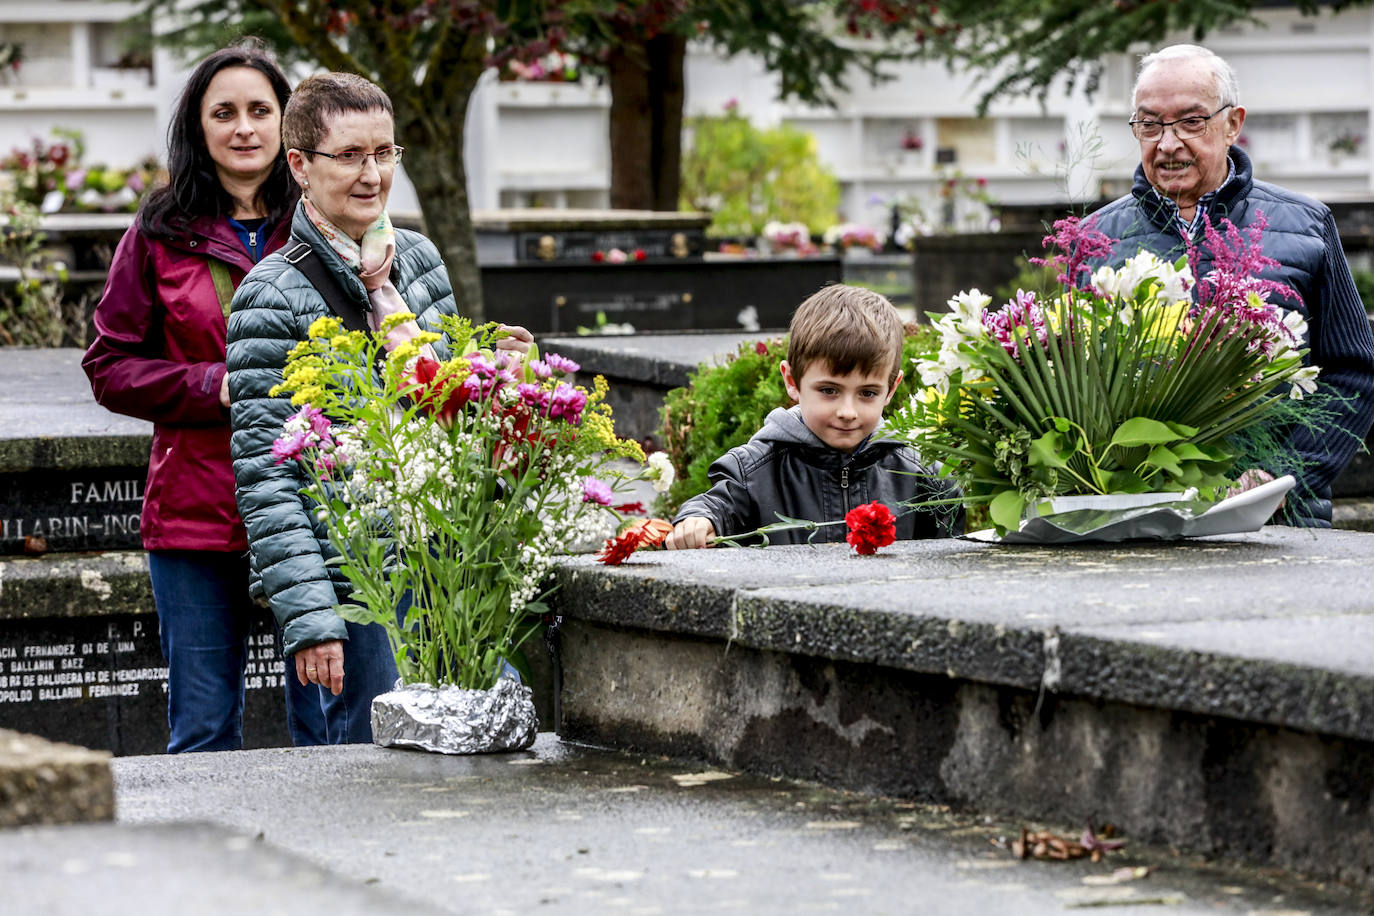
[1204,203]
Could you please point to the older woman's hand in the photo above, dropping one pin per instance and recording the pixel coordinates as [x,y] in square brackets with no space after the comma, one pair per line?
[322,664]
[519,339]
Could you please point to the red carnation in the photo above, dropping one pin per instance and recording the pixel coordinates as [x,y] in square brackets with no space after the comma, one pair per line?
[870,527]
[598,256]
[639,254]
[646,532]
[430,395]
[761,348]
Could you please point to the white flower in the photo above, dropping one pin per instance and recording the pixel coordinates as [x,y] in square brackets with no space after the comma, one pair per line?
[660,471]
[1296,325]
[967,310]
[1304,382]
[1169,284]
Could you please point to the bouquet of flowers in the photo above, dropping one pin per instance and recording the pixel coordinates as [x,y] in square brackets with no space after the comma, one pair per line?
[447,486]
[50,176]
[852,235]
[788,237]
[1131,380]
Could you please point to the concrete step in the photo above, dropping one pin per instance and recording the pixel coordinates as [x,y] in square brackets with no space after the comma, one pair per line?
[1216,694]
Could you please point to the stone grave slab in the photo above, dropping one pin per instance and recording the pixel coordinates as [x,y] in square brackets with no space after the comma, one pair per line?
[42,782]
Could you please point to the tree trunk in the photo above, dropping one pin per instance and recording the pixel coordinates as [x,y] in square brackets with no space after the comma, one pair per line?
[667,53]
[646,83]
[430,125]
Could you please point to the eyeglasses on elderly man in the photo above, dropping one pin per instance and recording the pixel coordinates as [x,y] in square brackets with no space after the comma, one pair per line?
[1189,128]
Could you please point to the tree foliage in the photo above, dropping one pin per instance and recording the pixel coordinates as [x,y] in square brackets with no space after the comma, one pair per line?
[427,55]
[745,176]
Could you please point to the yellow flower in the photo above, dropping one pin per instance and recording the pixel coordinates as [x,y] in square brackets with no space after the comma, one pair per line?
[311,395]
[404,353]
[390,321]
[1164,321]
[351,342]
[325,327]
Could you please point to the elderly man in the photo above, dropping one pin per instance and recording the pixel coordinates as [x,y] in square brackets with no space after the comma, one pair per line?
[1187,119]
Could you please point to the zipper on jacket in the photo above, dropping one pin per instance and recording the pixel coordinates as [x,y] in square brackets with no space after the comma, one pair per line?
[844,487]
[253,244]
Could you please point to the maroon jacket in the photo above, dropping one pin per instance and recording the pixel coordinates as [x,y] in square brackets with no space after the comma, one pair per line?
[158,355]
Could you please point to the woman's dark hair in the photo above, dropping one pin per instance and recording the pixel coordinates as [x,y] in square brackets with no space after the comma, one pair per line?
[193,189]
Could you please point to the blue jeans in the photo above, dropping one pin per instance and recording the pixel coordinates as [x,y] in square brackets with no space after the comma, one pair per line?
[369,670]
[204,615]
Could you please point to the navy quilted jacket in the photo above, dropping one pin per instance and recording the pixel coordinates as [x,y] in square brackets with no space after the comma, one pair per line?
[1301,235]
[272,311]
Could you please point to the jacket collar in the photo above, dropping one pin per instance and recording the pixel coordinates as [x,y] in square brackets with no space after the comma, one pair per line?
[303,229]
[212,236]
[1159,209]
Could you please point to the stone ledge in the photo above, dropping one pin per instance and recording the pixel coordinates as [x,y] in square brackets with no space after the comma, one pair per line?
[65,585]
[660,360]
[43,782]
[51,420]
[1272,627]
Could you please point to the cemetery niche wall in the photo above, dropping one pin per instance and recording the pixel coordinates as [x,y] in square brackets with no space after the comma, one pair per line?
[80,656]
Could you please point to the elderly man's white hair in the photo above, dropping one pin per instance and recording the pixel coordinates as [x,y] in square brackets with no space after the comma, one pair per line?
[1228,90]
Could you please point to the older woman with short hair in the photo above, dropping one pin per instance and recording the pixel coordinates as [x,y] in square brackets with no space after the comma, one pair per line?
[341,146]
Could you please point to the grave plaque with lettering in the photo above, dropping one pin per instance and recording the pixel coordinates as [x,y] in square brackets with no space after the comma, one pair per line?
[101,682]
[63,510]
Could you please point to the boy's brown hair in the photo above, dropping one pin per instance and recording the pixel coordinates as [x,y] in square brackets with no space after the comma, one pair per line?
[849,328]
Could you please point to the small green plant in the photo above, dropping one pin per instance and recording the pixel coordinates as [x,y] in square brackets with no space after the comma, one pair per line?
[32,312]
[1364,284]
[724,405]
[746,177]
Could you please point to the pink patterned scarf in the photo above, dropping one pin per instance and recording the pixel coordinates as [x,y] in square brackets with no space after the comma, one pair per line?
[371,261]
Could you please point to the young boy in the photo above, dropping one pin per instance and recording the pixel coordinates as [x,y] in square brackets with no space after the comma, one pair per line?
[819,458]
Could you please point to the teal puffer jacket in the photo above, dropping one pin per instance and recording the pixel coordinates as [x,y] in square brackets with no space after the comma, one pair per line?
[272,311]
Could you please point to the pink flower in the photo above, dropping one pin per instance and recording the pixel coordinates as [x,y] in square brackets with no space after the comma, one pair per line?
[533,396]
[616,256]
[595,491]
[291,446]
[1078,243]
[567,403]
[561,363]
[1016,320]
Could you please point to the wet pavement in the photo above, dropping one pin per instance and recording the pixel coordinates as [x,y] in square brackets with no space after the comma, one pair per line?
[569,829]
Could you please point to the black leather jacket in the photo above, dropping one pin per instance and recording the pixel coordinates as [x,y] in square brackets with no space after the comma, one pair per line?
[786,469]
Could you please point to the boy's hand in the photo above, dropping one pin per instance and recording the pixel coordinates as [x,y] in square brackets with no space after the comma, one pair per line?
[691,533]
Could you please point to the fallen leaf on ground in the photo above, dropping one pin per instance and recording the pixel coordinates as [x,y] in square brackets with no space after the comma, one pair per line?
[700,779]
[1120,876]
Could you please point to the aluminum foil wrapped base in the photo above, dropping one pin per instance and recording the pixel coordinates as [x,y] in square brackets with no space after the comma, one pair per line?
[455,720]
[1144,516]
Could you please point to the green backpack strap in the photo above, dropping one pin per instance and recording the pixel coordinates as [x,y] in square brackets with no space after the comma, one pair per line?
[224,286]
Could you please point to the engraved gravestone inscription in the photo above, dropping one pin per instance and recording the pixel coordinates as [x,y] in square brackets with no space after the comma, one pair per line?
[101,682]
[67,510]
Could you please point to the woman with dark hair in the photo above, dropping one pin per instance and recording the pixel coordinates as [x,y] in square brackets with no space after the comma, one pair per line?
[341,144]
[158,355]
